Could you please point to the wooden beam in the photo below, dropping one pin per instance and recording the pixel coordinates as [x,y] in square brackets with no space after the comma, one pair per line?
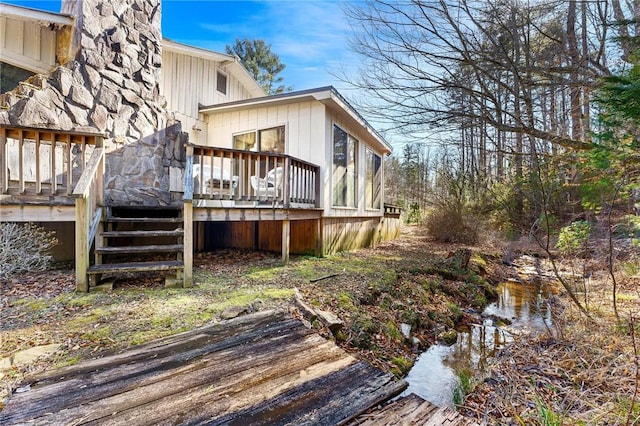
[187,217]
[225,214]
[82,253]
[21,163]
[38,176]
[37,213]
[286,240]
[4,163]
[319,242]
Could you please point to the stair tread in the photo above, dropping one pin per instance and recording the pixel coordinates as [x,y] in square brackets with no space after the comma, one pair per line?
[136,266]
[157,248]
[138,233]
[144,219]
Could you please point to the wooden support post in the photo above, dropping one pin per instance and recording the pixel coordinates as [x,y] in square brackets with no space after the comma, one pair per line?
[38,177]
[4,163]
[82,251]
[286,240]
[187,217]
[319,242]
[21,171]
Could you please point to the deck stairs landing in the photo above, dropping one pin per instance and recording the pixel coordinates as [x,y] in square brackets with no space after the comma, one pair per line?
[132,240]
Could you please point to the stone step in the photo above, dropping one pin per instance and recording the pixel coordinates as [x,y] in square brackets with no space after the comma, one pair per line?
[159,248]
[116,234]
[106,268]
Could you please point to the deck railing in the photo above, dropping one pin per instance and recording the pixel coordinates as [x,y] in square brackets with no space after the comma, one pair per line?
[253,178]
[89,195]
[42,162]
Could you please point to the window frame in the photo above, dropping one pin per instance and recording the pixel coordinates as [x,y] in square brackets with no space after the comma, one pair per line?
[220,74]
[348,178]
[373,180]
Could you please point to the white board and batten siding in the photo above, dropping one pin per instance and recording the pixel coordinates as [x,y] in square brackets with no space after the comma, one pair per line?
[27,44]
[309,137]
[188,81]
[303,121]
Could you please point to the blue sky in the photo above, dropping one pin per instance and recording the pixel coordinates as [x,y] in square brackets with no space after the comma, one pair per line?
[309,36]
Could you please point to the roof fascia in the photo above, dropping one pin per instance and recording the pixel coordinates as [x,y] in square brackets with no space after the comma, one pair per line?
[40,16]
[329,96]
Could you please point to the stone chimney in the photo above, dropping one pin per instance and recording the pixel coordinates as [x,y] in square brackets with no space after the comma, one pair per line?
[112,87]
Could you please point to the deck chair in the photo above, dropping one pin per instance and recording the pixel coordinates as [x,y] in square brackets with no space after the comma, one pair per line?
[270,185]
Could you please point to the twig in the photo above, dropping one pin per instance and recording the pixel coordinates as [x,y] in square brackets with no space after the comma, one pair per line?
[314,280]
[632,331]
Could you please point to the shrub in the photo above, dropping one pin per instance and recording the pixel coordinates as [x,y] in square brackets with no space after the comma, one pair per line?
[449,225]
[574,237]
[24,247]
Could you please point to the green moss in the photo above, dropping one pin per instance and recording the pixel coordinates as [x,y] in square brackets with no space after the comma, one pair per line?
[455,310]
[346,301]
[392,331]
[402,364]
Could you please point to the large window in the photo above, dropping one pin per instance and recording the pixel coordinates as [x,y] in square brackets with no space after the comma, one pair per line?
[345,149]
[264,140]
[374,179]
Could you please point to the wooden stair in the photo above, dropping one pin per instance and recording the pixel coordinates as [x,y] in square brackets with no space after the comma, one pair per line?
[132,240]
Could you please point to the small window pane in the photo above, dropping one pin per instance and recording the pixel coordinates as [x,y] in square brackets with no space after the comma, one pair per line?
[221,84]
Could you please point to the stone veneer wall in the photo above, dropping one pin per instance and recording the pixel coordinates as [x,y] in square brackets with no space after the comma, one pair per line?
[111,87]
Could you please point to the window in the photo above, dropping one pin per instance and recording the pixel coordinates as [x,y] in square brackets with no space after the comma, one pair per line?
[245,141]
[345,148]
[264,140]
[374,179]
[221,83]
[272,140]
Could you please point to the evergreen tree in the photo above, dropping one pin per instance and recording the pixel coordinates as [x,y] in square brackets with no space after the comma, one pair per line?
[261,62]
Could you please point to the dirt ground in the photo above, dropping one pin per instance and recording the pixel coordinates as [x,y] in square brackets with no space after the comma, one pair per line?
[559,378]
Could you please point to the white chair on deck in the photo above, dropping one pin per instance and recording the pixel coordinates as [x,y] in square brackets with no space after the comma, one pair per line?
[270,185]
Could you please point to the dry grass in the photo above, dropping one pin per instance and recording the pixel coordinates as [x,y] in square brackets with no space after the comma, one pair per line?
[582,372]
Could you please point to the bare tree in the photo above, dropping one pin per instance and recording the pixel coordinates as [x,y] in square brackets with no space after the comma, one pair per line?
[508,51]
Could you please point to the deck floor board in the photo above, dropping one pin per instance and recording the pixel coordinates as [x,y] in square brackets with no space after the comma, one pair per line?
[260,369]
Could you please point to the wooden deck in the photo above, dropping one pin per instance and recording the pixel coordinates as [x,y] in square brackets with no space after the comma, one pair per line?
[262,369]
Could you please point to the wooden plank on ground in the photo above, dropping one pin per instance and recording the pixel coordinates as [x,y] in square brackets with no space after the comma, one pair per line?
[265,368]
[413,410]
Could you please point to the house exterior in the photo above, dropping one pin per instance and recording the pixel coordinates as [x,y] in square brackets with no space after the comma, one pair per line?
[106,128]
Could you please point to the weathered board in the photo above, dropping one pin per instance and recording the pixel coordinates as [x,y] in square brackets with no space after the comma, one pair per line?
[264,368]
[412,410]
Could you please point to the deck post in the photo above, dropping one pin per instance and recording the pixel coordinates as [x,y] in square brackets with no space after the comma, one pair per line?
[286,240]
[187,217]
[82,251]
[319,243]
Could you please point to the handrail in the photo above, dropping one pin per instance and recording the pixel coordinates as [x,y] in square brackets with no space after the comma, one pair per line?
[89,174]
[42,162]
[263,178]
[89,195]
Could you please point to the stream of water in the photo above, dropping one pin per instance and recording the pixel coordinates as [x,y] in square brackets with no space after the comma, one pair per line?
[434,378]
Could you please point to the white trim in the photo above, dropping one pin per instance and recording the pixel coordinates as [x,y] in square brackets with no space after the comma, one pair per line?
[24,62]
[44,18]
[326,95]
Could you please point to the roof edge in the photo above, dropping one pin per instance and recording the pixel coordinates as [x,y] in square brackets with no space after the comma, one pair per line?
[41,16]
[319,94]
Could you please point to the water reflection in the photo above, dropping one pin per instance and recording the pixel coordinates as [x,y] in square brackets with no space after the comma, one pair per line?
[526,306]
